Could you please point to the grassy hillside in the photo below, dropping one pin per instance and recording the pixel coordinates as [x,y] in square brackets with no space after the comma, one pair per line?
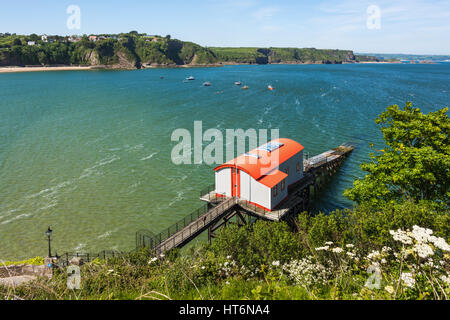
[134,50]
[283,55]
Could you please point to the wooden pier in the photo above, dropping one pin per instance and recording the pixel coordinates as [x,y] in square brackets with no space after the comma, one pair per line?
[221,211]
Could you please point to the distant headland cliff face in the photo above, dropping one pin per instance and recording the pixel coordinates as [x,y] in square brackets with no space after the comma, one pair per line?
[134,51]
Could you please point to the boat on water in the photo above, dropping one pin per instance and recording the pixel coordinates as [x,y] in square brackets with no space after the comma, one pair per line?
[245,88]
[270,88]
[191,78]
[207,84]
[238,83]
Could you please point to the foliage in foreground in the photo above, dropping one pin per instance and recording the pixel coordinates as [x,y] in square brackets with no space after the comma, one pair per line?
[415,163]
[326,258]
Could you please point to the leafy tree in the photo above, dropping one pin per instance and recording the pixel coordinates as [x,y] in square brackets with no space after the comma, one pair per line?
[416,162]
[17,42]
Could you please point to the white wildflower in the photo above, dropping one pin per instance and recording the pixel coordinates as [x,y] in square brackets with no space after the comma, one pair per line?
[446,280]
[323,248]
[350,246]
[276,263]
[420,234]
[439,243]
[408,280]
[373,255]
[338,250]
[329,243]
[401,236]
[389,289]
[423,250]
[152,260]
[386,249]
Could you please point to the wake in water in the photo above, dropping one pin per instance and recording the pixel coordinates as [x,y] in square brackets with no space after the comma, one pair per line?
[150,156]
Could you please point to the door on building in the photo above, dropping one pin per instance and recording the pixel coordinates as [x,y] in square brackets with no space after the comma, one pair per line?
[235,183]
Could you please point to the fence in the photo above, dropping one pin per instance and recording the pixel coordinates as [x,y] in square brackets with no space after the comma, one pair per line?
[152,242]
[194,228]
[209,215]
[206,193]
[64,260]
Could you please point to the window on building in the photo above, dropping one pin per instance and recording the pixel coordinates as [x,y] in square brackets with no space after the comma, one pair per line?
[275,191]
[283,185]
[287,171]
[298,167]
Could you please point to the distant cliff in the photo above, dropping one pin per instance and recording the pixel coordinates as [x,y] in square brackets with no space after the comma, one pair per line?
[133,50]
[283,55]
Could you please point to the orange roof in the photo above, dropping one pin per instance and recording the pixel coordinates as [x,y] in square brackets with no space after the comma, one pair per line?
[259,162]
[273,179]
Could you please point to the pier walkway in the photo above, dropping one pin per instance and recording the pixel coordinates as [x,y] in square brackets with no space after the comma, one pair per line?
[220,210]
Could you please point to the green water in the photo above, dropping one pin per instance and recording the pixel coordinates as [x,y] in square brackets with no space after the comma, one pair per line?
[89,153]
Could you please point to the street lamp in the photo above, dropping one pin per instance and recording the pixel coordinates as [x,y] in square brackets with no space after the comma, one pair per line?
[48,233]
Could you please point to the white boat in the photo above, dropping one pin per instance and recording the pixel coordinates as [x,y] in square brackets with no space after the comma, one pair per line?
[207,84]
[238,83]
[190,78]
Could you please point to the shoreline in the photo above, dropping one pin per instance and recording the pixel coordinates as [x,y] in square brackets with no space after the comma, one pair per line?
[42,69]
[16,69]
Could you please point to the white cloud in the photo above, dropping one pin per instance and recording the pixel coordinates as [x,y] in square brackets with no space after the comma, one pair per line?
[265,13]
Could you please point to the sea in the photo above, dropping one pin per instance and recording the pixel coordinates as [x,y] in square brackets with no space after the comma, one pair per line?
[89,153]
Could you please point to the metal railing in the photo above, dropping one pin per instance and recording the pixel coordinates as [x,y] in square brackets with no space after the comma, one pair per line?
[208,190]
[65,259]
[188,221]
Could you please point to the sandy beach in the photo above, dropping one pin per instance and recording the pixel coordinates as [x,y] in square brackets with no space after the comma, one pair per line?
[40,69]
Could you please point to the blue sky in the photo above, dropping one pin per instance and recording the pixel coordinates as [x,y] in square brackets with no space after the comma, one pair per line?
[407,26]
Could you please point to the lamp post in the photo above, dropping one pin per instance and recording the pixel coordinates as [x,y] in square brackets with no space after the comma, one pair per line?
[49,234]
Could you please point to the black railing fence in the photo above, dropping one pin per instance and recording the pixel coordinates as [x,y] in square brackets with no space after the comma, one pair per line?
[144,240]
[207,190]
[66,258]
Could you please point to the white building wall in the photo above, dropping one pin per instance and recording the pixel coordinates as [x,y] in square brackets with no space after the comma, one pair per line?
[260,194]
[223,182]
[245,186]
[294,176]
[282,194]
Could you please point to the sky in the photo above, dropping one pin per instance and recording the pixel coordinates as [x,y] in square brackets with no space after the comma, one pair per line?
[371,26]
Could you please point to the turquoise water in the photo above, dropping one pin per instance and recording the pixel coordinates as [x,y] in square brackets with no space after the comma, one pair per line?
[88,152]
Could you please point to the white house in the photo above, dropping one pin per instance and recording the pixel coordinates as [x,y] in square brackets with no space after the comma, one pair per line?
[44,38]
[31,43]
[262,176]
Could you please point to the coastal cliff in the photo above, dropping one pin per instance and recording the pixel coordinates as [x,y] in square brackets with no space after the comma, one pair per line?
[134,51]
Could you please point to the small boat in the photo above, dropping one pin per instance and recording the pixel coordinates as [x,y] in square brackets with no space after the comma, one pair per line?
[245,88]
[191,78]
[207,84]
[270,88]
[238,83]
